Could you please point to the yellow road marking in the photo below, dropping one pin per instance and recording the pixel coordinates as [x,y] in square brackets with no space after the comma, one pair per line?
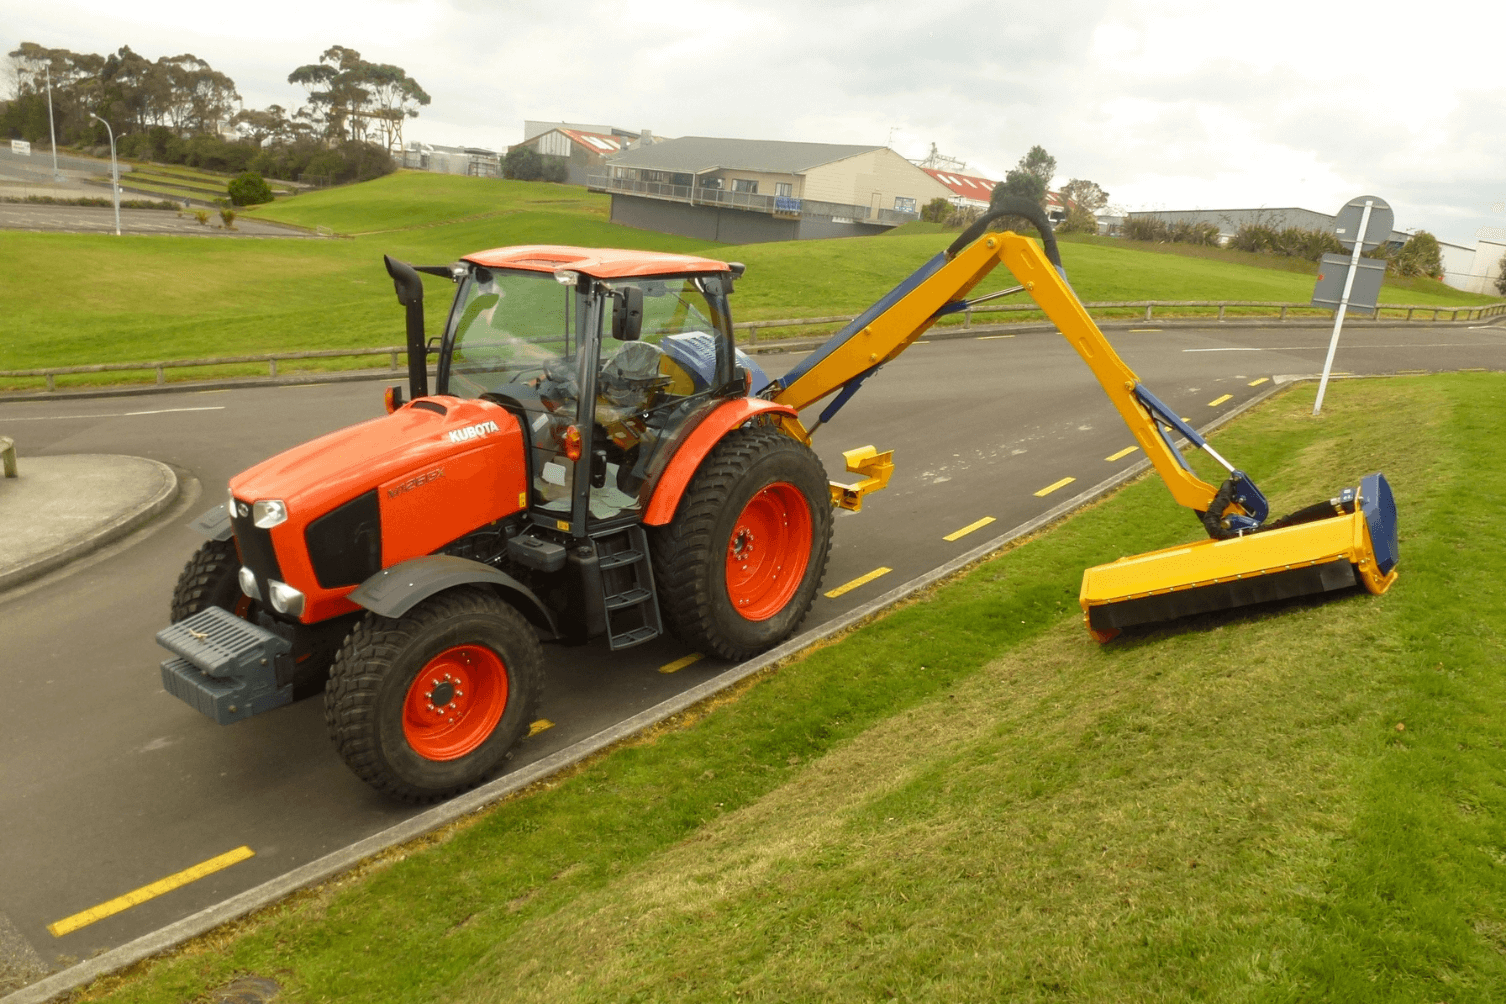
[540,726]
[301,386]
[1257,383]
[969,529]
[1474,369]
[1409,372]
[984,338]
[1064,482]
[1144,331]
[861,580]
[1121,454]
[1219,400]
[679,664]
[138,896]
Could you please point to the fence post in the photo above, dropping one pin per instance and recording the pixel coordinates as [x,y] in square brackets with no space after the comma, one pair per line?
[8,455]
[1283,313]
[1147,311]
[271,367]
[161,375]
[394,362]
[1220,311]
[1409,312]
[967,318]
[51,382]
[752,333]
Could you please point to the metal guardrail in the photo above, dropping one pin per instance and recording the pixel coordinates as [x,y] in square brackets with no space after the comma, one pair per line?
[397,354]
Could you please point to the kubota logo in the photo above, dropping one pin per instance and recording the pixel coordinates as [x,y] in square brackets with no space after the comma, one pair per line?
[473,432]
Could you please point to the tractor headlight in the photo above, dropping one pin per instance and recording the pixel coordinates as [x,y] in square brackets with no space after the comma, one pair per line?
[285,599]
[248,583]
[269,513]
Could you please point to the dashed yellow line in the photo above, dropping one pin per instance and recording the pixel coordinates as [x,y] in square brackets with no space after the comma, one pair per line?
[1410,372]
[679,664]
[1064,482]
[861,580]
[959,534]
[1144,331]
[138,896]
[540,726]
[1220,400]
[1257,383]
[1121,454]
[984,338]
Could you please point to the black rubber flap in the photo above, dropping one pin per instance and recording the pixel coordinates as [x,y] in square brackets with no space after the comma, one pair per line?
[1282,585]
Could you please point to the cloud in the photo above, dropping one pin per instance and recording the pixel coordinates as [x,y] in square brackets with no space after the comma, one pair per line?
[1165,105]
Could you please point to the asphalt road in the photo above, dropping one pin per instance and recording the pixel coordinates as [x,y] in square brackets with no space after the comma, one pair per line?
[110,784]
[43,218]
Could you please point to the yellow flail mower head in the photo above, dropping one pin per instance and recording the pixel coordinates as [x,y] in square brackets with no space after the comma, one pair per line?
[1335,544]
[1347,540]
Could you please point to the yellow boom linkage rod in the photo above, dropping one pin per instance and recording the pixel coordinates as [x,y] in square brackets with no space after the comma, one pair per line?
[1331,545]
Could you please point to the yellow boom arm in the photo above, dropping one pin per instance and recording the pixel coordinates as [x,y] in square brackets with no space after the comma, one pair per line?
[855,352]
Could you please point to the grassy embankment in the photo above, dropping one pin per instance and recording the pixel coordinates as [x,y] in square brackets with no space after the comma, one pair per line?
[179,182]
[166,297]
[969,800]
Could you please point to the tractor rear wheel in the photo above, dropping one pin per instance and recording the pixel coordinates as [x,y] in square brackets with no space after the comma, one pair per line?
[426,705]
[210,579]
[739,566]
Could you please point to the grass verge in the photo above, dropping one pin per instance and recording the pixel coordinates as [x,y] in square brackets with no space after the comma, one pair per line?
[969,800]
[166,297]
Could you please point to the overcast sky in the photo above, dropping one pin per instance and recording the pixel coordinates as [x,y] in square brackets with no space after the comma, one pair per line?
[1167,106]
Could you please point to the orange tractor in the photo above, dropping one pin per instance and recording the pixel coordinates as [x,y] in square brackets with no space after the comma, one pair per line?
[598,461]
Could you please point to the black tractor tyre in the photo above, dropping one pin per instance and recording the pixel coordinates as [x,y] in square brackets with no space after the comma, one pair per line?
[381,712]
[210,579]
[695,556]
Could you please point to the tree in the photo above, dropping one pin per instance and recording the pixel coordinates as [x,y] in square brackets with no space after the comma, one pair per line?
[1086,194]
[1030,178]
[249,190]
[1039,163]
[938,209]
[1501,279]
[522,163]
[1420,255]
[350,98]
[1078,221]
[1021,183]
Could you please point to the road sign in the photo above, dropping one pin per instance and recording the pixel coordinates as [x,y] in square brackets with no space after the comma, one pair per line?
[1346,226]
[1363,295]
[20,147]
[1362,224]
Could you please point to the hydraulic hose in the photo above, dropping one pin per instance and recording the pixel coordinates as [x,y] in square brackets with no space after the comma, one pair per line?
[1012,205]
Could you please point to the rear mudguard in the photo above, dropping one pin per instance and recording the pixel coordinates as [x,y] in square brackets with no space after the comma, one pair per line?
[394,591]
[687,459]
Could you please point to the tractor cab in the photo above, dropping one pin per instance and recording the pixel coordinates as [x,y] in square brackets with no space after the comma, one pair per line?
[605,358]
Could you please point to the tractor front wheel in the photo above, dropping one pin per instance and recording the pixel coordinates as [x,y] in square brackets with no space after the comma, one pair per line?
[210,579]
[740,564]
[426,705]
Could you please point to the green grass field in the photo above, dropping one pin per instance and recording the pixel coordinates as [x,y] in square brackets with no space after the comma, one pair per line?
[969,800]
[140,298]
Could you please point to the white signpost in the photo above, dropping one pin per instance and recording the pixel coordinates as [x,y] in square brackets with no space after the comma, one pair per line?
[1364,223]
[20,148]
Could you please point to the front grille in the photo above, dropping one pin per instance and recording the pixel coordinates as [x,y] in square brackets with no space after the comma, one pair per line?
[255,543]
[345,544]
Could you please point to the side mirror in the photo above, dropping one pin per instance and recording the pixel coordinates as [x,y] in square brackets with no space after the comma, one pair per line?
[410,288]
[627,313]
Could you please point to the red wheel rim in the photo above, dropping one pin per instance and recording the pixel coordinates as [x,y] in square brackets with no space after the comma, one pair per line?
[455,703]
[768,551]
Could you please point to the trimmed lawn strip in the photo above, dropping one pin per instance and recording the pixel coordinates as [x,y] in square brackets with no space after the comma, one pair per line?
[169,297]
[969,800]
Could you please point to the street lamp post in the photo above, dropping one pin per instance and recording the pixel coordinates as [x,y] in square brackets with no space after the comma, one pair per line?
[114,172]
[52,129]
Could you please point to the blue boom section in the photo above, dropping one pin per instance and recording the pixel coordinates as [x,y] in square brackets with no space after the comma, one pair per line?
[864,319]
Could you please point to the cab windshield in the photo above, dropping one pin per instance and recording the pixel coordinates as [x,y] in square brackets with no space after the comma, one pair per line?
[531,343]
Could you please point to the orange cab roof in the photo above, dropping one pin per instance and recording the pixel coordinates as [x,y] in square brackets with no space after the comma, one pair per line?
[600,263]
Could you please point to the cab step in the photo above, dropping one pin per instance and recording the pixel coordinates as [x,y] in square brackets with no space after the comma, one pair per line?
[627,586]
